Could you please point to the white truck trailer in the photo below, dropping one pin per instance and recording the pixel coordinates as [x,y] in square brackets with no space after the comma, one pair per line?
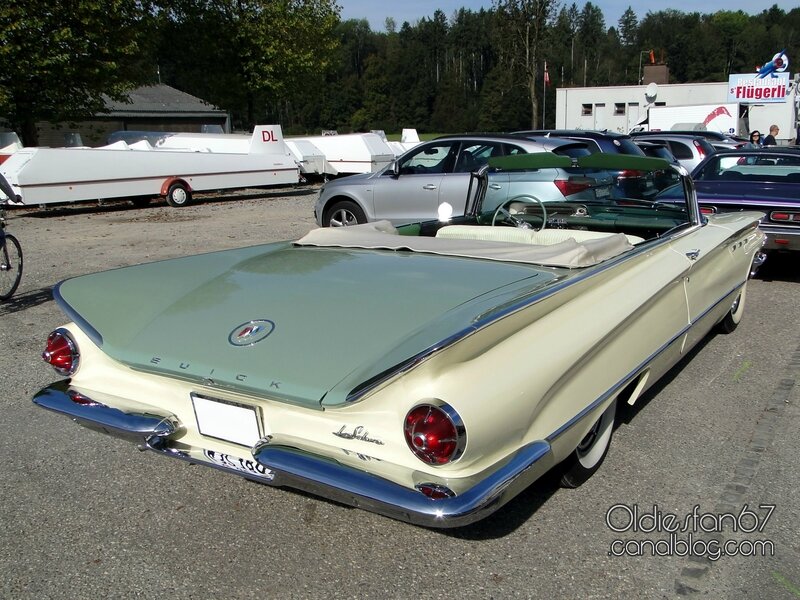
[711,117]
[626,108]
[174,168]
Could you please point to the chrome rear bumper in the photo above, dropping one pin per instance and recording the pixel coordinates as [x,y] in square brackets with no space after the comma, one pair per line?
[289,467]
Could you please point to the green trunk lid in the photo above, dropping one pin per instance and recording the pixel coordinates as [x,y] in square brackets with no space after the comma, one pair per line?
[340,315]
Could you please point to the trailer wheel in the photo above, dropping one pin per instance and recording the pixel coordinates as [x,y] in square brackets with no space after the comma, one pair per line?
[178,194]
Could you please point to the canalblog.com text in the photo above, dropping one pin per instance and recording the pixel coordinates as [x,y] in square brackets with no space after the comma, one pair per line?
[694,534]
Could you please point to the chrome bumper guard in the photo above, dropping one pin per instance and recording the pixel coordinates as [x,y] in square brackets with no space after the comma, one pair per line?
[758,260]
[134,427]
[289,467]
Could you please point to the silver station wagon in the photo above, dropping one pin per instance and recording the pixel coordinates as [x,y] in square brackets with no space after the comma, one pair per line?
[434,173]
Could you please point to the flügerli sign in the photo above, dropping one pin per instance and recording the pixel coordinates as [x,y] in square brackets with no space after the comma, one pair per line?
[750,88]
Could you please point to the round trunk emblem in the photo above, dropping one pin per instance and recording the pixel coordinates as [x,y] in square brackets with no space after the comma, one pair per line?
[251,332]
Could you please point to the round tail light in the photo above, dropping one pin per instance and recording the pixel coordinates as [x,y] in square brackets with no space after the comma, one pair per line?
[435,433]
[61,352]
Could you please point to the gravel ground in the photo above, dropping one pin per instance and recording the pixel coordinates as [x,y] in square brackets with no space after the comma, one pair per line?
[81,238]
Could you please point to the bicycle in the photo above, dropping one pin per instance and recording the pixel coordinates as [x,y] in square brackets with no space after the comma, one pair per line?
[10,252]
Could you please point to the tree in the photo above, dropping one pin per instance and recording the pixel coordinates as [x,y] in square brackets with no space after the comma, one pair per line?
[59,59]
[591,32]
[628,28]
[521,28]
[731,27]
[247,54]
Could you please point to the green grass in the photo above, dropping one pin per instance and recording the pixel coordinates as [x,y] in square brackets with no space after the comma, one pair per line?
[424,137]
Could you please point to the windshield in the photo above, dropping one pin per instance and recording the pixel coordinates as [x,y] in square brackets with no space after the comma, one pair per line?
[751,166]
[594,193]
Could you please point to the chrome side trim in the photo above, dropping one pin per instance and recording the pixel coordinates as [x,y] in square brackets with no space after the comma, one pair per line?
[75,317]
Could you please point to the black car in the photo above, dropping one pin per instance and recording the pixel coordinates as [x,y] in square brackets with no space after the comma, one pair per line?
[610,142]
[629,182]
[719,140]
[665,177]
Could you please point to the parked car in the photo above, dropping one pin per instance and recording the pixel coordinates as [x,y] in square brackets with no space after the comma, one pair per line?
[436,172]
[482,350]
[663,178]
[719,140]
[766,179]
[598,141]
[658,150]
[628,182]
[690,150]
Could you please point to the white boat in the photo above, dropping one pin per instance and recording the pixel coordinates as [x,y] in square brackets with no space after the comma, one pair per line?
[351,153]
[174,168]
[408,139]
[309,158]
[9,144]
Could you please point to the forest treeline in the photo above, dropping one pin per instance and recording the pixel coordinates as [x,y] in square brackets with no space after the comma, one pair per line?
[296,63]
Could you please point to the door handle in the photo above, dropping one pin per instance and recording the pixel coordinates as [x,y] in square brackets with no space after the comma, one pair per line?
[693,254]
[429,186]
[495,186]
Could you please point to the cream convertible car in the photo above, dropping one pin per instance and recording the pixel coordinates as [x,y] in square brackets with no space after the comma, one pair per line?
[429,372]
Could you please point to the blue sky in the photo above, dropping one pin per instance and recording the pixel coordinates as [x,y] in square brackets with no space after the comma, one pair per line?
[376,11]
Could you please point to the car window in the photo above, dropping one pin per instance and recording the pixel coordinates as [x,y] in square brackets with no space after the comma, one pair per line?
[751,167]
[573,150]
[658,152]
[593,146]
[707,146]
[430,158]
[511,149]
[474,155]
[789,161]
[680,150]
[628,146]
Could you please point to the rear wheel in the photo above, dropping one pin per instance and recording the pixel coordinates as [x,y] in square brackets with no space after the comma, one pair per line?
[10,266]
[592,450]
[734,316]
[178,194]
[344,213]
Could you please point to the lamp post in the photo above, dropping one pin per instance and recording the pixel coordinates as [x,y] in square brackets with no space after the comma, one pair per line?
[641,52]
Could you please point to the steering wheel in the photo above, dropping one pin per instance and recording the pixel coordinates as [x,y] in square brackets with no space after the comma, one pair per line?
[502,210]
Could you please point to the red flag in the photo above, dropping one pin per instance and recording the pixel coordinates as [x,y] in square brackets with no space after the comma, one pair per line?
[546,74]
[652,57]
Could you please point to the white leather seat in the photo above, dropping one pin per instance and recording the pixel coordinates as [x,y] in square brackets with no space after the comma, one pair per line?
[516,235]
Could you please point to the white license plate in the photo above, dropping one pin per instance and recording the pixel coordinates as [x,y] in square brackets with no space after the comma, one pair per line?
[228,421]
[602,192]
[235,463]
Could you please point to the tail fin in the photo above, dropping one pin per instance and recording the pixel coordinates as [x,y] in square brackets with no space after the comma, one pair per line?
[268,139]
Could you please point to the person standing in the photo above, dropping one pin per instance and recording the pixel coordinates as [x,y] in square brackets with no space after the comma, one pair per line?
[770,139]
[755,139]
